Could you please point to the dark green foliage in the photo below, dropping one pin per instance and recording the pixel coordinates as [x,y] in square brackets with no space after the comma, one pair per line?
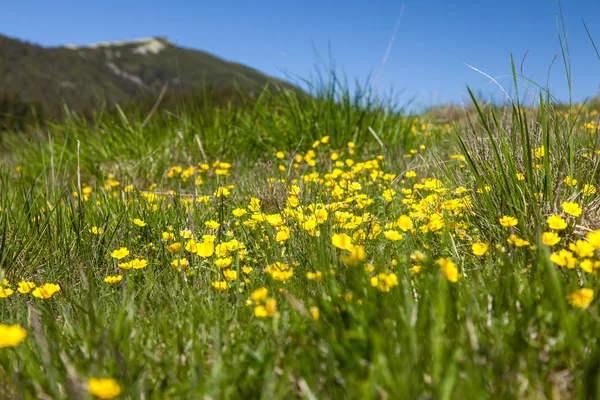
[89,78]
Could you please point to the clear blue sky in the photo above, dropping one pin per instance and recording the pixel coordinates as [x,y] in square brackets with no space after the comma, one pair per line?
[434,40]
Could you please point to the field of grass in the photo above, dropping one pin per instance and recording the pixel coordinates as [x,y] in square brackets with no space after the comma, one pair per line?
[302,247]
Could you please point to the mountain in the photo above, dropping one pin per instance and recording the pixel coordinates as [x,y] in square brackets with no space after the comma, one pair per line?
[85,77]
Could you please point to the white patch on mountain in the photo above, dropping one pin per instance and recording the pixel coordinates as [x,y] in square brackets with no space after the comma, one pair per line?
[123,74]
[153,46]
[145,45]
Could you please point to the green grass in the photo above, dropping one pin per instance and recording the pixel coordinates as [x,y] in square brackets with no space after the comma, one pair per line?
[504,329]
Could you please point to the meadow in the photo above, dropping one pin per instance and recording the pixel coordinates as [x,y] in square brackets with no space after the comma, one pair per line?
[324,246]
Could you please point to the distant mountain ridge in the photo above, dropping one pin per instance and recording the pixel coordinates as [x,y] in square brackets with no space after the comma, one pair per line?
[85,77]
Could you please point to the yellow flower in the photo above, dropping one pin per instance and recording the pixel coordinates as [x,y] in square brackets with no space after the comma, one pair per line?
[5,292]
[507,221]
[571,208]
[587,265]
[594,238]
[135,264]
[280,271]
[96,231]
[46,290]
[388,195]
[259,295]
[120,253]
[550,238]
[209,238]
[556,222]
[479,249]
[280,155]
[11,335]
[220,285]
[222,192]
[191,246]
[175,247]
[104,388]
[404,223]
[384,282]
[25,287]
[392,235]
[180,263]
[449,269]
[357,254]
[267,310]
[283,234]
[583,248]
[167,236]
[230,275]
[570,181]
[539,152]
[139,222]
[342,241]
[517,241]
[223,262]
[238,212]
[563,258]
[205,249]
[112,279]
[589,189]
[212,224]
[581,298]
[247,270]
[315,276]
[254,204]
[186,233]
[315,313]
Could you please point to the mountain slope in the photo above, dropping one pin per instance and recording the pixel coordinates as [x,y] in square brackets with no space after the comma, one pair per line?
[85,77]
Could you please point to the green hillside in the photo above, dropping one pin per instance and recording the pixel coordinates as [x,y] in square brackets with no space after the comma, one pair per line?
[102,74]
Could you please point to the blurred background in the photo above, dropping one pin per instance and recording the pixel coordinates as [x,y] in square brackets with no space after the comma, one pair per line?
[421,53]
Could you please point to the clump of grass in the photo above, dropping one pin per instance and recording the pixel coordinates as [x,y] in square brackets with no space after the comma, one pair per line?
[303,247]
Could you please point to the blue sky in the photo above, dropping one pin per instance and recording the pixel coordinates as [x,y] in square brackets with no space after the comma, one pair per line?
[434,40]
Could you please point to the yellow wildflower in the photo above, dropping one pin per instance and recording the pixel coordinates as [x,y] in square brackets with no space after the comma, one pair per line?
[175,247]
[112,279]
[315,276]
[280,271]
[104,388]
[46,290]
[120,253]
[180,263]
[581,298]
[342,241]
[223,262]
[25,287]
[11,335]
[384,282]
[550,238]
[220,285]
[571,208]
[479,249]
[449,269]
[556,222]
[507,221]
[583,248]
[563,258]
